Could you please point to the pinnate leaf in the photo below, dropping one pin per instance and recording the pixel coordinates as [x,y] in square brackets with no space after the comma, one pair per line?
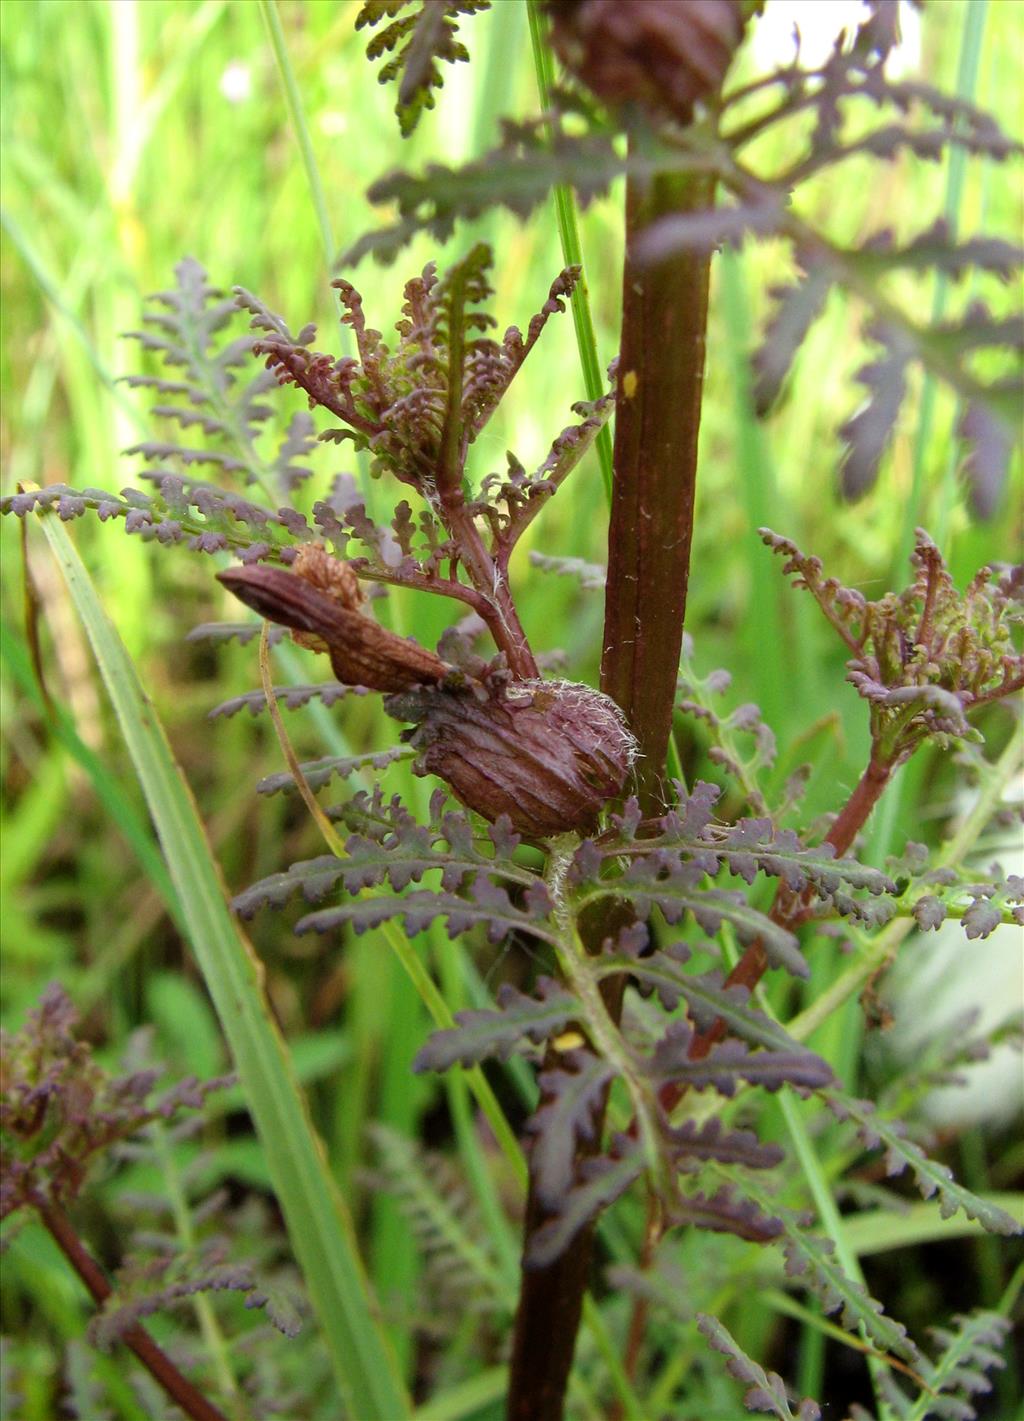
[481,1034]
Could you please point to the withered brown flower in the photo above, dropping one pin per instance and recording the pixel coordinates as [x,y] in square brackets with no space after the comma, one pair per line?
[362,652]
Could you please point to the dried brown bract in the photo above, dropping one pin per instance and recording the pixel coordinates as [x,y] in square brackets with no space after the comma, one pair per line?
[362,652]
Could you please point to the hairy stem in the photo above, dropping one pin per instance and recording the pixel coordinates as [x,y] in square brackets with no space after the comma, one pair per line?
[661,373]
[137,1339]
[496,606]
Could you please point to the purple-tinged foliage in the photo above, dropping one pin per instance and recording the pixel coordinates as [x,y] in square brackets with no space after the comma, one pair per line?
[395,849]
[590,576]
[665,974]
[481,1034]
[730,1062]
[811,1260]
[206,519]
[726,1212]
[59,1109]
[931,1178]
[524,495]
[929,912]
[421,40]
[926,657]
[599,1183]
[693,1144]
[975,1345]
[700,694]
[856,109]
[531,158]
[572,1094]
[166,1280]
[866,434]
[397,403]
[320,772]
[242,632]
[288,697]
[797,307]
[486,905]
[766,1391]
[544,759]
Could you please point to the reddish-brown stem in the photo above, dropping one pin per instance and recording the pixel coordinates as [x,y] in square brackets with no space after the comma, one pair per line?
[657,417]
[497,610]
[137,1339]
[641,1306]
[496,606]
[790,910]
[661,371]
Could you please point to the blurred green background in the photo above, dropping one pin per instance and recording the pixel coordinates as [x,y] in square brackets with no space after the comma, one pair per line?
[136,133]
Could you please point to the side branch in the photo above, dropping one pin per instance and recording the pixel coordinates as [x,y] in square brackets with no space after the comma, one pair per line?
[790,910]
[137,1339]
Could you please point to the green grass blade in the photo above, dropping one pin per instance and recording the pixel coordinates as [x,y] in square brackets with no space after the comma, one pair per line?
[572,254]
[319,1227]
[914,1224]
[966,85]
[268,9]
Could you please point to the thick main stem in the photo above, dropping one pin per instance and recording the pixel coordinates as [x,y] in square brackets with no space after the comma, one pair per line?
[660,379]
[137,1339]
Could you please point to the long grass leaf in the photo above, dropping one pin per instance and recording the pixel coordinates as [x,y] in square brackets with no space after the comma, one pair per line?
[319,1227]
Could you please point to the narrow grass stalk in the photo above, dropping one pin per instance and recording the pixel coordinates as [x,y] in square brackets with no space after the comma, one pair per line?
[268,9]
[572,252]
[966,85]
[763,633]
[320,1230]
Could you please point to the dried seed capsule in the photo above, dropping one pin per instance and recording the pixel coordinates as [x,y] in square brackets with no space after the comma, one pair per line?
[549,754]
[660,54]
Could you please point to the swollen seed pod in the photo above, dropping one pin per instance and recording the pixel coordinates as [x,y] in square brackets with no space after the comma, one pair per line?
[548,754]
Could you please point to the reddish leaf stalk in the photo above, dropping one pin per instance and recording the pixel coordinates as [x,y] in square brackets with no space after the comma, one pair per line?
[790,910]
[137,1339]
[496,606]
[660,379]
